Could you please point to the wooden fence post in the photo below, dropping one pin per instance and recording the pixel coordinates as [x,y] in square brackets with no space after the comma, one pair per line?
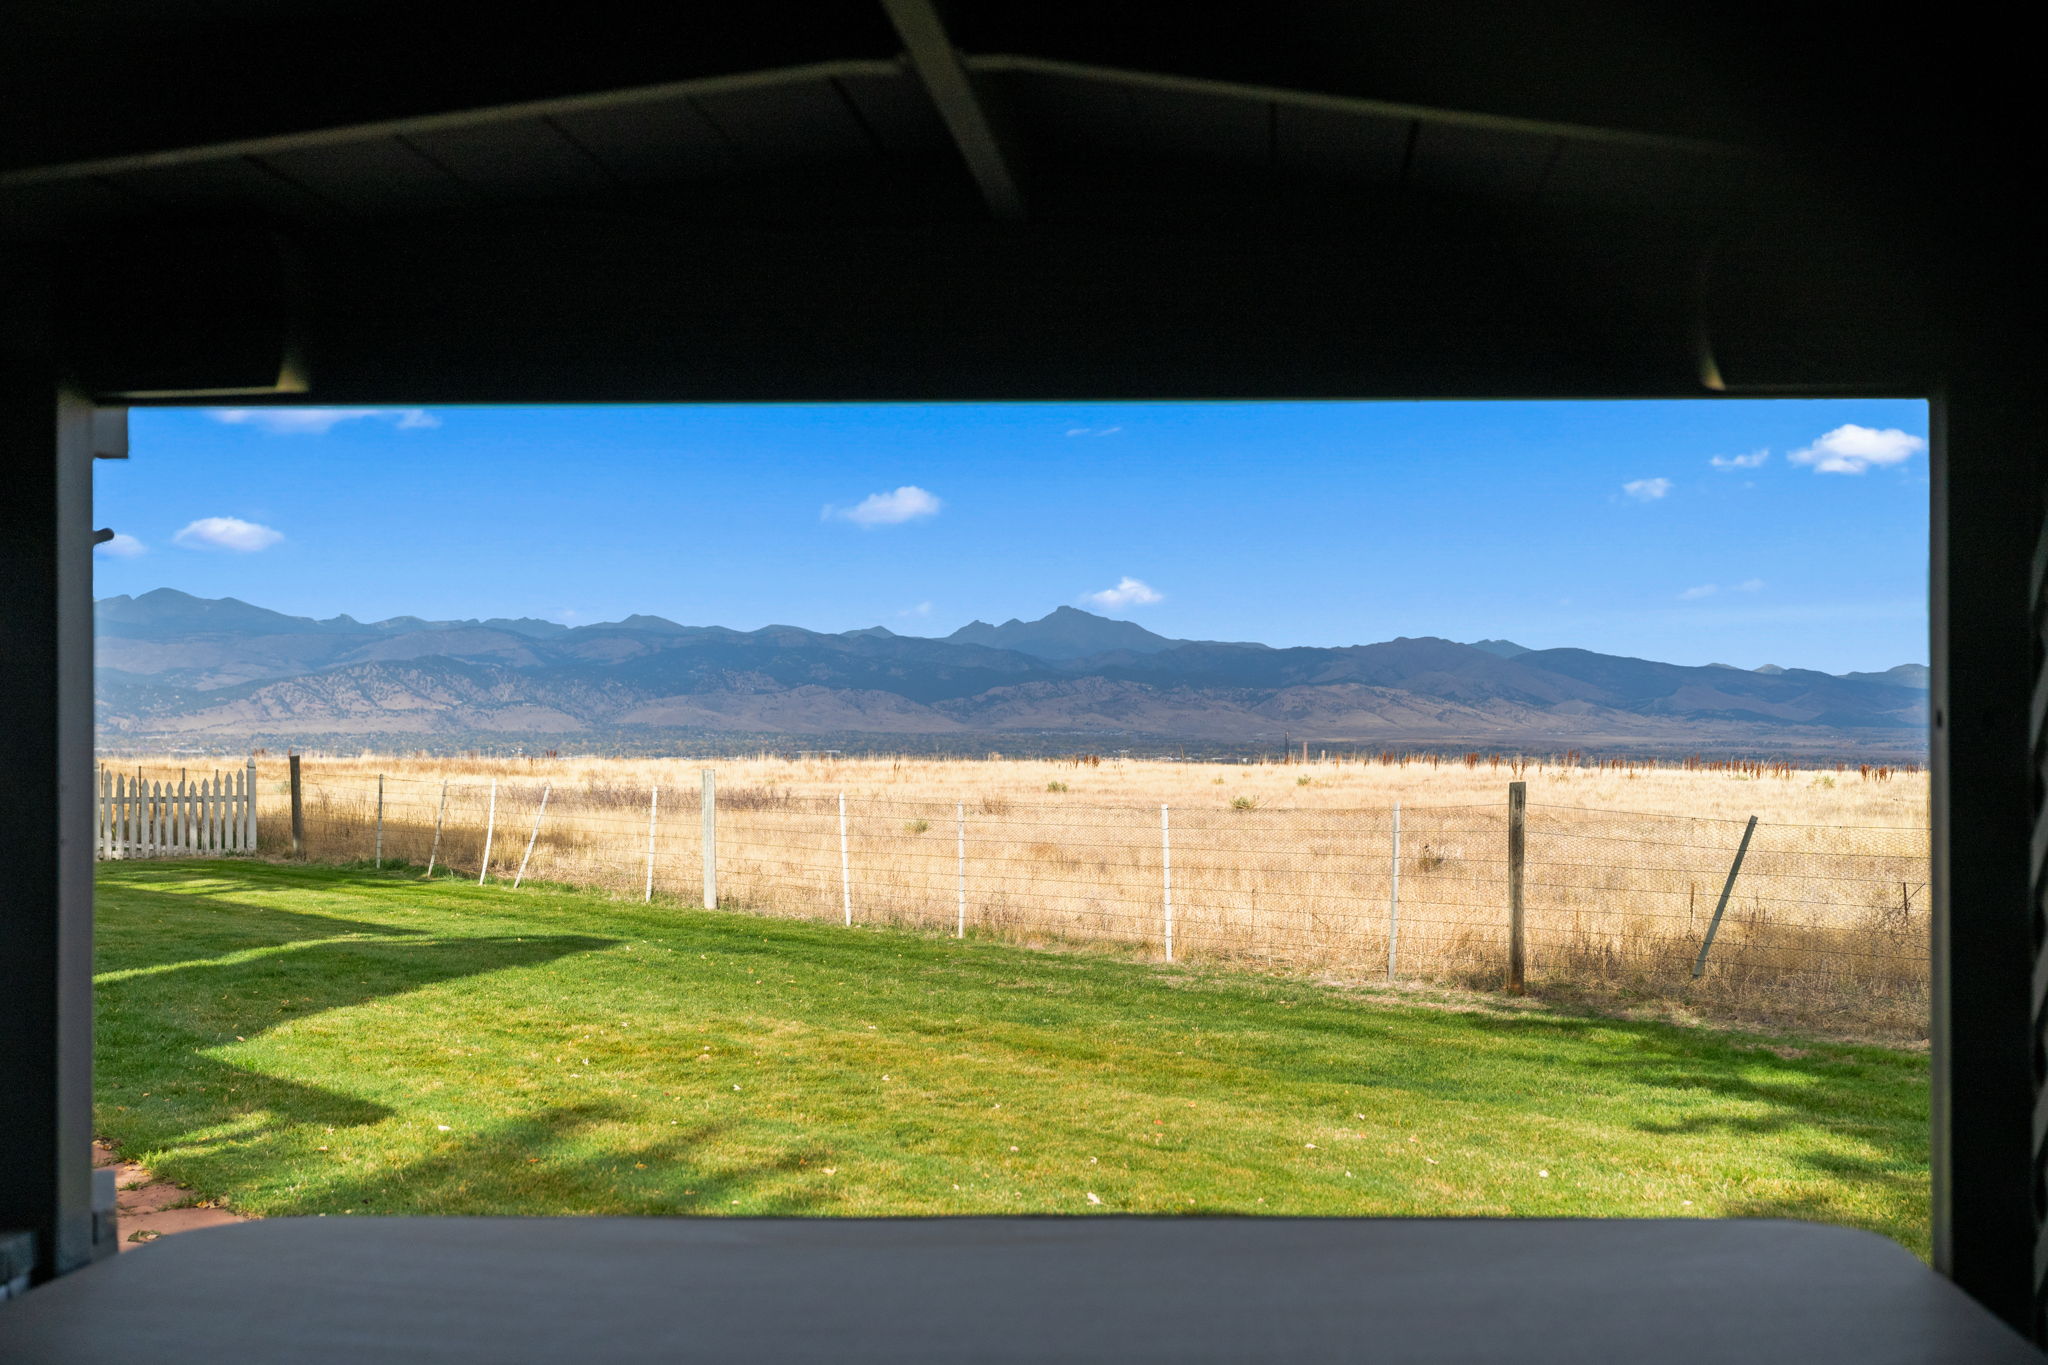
[298,812]
[1699,965]
[1518,847]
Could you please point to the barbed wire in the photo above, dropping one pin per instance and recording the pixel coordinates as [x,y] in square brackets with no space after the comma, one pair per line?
[1311,887]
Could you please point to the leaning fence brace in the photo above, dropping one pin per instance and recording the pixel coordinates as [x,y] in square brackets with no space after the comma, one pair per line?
[527,857]
[1699,965]
[490,828]
[439,816]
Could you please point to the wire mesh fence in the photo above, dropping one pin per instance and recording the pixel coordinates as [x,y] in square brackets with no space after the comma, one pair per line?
[1819,919]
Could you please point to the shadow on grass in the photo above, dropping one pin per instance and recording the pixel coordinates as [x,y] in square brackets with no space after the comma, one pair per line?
[237,1129]
[138,928]
[161,1085]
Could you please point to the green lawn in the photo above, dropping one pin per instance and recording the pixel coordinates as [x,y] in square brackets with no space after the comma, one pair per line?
[304,1040]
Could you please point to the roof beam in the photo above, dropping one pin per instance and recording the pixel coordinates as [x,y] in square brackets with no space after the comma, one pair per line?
[437,122]
[939,67]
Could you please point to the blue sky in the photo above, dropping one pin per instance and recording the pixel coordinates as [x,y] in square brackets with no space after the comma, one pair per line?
[1745,532]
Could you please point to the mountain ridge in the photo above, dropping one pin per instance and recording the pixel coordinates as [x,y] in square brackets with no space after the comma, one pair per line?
[174,665]
[1070,633]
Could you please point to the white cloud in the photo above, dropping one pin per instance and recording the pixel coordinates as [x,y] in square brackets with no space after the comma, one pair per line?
[1852,449]
[121,547]
[907,503]
[921,609]
[320,421]
[1646,490]
[1093,431]
[228,533]
[1753,460]
[1128,592]
[1709,589]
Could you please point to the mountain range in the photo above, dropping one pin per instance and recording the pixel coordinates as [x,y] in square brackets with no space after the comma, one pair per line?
[173,668]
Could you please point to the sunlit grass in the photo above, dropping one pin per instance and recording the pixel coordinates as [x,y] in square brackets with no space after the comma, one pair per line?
[304,1040]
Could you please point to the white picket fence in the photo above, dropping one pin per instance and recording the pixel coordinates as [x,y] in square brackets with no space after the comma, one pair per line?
[187,818]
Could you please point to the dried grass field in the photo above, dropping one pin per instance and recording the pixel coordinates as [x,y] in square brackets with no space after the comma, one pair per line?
[1285,867]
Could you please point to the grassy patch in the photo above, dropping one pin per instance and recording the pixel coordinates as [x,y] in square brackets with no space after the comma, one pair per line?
[305,1040]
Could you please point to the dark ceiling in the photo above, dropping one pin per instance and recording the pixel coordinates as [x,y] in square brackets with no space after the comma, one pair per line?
[882,199]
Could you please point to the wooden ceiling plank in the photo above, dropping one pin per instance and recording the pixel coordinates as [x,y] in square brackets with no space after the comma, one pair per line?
[791,125]
[526,159]
[240,183]
[373,176]
[651,143]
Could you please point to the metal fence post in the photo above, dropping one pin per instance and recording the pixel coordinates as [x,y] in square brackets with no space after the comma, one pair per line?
[298,812]
[710,839]
[960,864]
[379,855]
[1166,875]
[1518,846]
[653,807]
[1394,895]
[1699,965]
[845,866]
[490,828]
